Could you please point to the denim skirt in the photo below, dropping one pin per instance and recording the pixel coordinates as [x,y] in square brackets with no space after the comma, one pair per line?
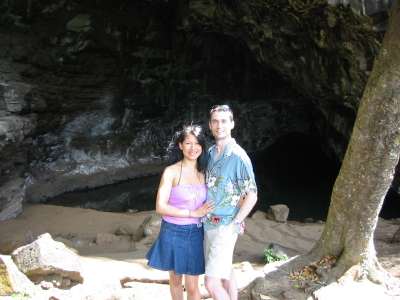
[178,248]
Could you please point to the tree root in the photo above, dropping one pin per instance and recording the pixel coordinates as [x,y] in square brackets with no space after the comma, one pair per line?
[309,275]
[319,280]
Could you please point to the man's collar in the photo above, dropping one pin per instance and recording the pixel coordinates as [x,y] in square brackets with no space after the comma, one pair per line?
[229,148]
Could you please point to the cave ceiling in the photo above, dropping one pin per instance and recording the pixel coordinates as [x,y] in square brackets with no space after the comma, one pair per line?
[91,91]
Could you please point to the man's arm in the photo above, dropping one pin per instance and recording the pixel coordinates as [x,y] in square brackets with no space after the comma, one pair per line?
[248,204]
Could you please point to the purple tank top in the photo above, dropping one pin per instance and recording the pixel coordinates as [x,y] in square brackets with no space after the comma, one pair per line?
[186,197]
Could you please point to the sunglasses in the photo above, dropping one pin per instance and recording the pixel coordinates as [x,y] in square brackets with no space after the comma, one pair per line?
[223,107]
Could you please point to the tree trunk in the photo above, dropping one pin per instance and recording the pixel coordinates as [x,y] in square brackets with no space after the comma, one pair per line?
[367,170]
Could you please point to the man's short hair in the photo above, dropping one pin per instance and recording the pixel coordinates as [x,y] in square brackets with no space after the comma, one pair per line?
[222,107]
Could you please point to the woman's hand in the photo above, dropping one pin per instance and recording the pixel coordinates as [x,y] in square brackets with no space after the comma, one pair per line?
[202,210]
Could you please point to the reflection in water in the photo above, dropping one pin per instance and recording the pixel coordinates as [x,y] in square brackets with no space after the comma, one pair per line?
[137,195]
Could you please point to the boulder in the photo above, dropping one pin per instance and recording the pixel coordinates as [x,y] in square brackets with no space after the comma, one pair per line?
[125,229]
[259,215]
[278,251]
[46,256]
[12,280]
[12,194]
[278,213]
[396,236]
[150,227]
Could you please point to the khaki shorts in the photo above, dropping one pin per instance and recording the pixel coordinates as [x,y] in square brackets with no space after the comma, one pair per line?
[218,251]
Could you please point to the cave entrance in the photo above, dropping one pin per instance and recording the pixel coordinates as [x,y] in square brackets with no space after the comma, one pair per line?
[295,171]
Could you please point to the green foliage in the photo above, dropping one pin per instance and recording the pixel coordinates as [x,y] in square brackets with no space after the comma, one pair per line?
[20,296]
[271,257]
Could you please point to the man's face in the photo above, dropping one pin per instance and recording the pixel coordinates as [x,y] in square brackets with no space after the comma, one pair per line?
[221,125]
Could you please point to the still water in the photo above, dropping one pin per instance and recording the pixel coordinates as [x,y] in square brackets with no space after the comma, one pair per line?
[135,195]
[294,172]
[140,195]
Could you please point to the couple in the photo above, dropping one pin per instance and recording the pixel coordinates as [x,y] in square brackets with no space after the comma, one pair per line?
[187,203]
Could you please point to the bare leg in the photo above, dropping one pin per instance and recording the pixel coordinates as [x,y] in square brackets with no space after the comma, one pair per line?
[175,286]
[192,287]
[215,288]
[231,286]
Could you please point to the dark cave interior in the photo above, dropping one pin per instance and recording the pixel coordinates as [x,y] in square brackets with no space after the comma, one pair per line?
[294,171]
[102,92]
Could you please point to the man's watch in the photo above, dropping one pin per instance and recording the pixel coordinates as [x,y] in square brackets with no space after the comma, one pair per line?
[239,226]
[236,222]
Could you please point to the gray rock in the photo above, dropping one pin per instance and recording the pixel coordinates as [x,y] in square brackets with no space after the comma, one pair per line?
[279,213]
[396,236]
[81,22]
[150,227]
[125,229]
[106,238]
[259,215]
[75,239]
[70,244]
[12,194]
[46,256]
[278,251]
[13,95]
[50,281]
[153,226]
[12,279]
[9,244]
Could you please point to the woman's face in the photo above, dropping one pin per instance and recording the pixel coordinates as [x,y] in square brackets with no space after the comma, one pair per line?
[190,147]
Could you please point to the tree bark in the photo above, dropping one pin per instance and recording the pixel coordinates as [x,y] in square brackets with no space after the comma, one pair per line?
[367,170]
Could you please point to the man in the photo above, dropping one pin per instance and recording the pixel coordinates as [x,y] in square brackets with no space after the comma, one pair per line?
[232,187]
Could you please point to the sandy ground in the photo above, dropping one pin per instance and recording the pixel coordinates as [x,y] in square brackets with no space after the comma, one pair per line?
[85,224]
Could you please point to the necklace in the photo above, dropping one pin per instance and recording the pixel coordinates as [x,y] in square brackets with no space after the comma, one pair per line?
[190,173]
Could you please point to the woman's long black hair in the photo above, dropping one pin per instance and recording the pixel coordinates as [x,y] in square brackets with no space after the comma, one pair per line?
[175,153]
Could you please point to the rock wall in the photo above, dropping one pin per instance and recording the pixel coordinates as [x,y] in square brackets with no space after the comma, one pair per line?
[91,91]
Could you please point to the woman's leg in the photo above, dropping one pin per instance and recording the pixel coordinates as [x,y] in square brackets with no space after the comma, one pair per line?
[192,287]
[175,286]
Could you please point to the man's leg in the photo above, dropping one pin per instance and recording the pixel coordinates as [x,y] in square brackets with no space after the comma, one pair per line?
[218,245]
[221,289]
[216,289]
[231,286]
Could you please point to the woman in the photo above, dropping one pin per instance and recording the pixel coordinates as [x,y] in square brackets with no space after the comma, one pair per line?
[180,199]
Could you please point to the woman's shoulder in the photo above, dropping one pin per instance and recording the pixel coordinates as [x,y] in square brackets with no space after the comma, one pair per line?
[172,169]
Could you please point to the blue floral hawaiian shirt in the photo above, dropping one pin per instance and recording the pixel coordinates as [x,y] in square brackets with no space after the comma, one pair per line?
[228,178]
